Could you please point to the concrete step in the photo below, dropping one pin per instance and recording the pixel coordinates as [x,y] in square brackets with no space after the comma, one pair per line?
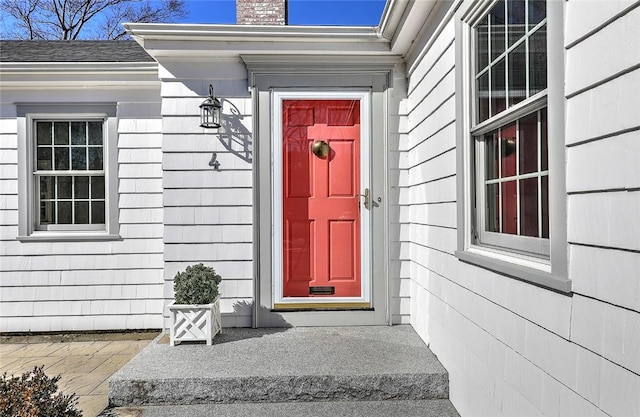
[338,364]
[405,408]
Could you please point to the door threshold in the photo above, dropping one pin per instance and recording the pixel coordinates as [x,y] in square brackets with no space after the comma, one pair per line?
[326,306]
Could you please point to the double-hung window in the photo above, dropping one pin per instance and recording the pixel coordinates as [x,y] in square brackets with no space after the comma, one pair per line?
[67,176]
[507,140]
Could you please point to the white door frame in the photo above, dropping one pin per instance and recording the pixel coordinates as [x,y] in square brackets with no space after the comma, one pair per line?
[365,182]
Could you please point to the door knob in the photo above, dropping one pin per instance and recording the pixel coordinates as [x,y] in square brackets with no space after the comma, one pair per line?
[320,148]
[367,203]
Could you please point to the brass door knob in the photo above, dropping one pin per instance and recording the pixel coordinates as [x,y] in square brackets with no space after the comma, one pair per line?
[320,148]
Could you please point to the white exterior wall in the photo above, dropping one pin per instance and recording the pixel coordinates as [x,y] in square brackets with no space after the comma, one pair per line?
[399,227]
[208,213]
[512,348]
[95,285]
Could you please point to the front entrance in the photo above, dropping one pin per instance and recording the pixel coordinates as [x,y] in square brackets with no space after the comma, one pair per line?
[324,200]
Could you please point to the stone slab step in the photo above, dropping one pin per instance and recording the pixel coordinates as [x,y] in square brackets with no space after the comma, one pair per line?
[415,408]
[284,365]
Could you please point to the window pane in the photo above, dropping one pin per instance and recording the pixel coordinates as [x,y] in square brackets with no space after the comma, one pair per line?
[47,188]
[545,206]
[529,207]
[491,208]
[97,212]
[529,143]
[44,158]
[509,208]
[544,153]
[497,23]
[508,145]
[78,133]
[62,159]
[491,156]
[64,212]
[65,187]
[95,133]
[95,158]
[515,19]
[97,187]
[81,187]
[537,12]
[78,158]
[517,74]
[81,212]
[538,61]
[47,212]
[483,97]
[61,133]
[498,94]
[482,44]
[43,134]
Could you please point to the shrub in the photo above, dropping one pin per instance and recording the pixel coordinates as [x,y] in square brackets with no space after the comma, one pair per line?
[198,284]
[34,394]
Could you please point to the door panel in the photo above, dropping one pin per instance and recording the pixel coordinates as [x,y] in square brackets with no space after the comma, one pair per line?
[321,210]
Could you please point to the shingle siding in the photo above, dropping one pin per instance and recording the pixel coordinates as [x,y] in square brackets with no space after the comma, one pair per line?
[208,212]
[512,348]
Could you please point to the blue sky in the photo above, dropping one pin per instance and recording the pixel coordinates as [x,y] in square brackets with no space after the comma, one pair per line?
[301,12]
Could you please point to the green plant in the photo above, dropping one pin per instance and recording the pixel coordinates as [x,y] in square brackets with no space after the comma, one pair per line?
[33,394]
[198,284]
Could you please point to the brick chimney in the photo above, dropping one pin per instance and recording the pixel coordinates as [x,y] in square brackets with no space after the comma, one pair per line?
[261,12]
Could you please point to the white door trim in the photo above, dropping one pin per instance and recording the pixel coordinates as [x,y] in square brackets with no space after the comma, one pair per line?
[365,182]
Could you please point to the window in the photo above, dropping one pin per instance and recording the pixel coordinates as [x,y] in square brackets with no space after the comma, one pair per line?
[69,174]
[511,198]
[67,188]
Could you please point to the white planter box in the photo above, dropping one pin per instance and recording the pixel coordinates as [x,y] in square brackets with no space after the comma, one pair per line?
[200,322]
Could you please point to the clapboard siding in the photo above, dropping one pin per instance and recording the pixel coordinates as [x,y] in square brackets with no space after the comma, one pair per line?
[99,285]
[208,212]
[512,348]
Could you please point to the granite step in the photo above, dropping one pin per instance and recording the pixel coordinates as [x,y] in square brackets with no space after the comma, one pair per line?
[404,408]
[288,365]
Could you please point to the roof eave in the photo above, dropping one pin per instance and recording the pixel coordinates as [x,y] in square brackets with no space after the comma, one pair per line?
[202,41]
[38,74]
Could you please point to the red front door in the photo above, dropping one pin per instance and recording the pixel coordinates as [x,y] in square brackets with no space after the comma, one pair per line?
[321,218]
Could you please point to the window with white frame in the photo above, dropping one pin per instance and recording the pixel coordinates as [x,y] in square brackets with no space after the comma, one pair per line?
[507,139]
[67,188]
[511,149]
[69,174]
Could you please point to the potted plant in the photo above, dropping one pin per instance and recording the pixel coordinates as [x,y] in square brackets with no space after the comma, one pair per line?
[195,312]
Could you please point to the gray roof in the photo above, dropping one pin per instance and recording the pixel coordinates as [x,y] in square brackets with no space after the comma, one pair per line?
[72,51]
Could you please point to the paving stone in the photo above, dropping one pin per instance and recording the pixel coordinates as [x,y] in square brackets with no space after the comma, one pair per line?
[7,350]
[81,383]
[37,349]
[92,405]
[22,365]
[79,348]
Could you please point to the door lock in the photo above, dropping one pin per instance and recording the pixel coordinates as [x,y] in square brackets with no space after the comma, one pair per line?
[366,198]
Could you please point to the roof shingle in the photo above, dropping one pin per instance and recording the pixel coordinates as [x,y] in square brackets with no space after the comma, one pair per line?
[72,51]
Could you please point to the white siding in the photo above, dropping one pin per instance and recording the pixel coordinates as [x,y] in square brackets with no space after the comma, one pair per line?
[511,348]
[101,285]
[208,213]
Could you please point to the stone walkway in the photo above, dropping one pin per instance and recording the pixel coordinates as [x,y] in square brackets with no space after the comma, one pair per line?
[85,364]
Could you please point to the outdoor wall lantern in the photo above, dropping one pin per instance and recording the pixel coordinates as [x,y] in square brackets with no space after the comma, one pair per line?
[210,111]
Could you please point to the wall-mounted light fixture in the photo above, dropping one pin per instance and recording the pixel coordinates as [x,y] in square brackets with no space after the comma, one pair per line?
[210,111]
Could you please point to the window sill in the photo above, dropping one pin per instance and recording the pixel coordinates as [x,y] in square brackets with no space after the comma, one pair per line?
[68,237]
[528,271]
